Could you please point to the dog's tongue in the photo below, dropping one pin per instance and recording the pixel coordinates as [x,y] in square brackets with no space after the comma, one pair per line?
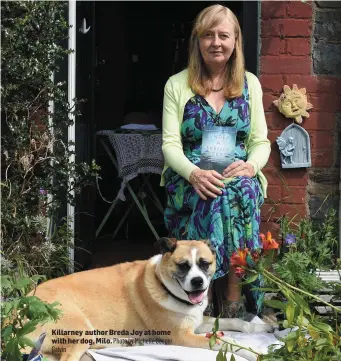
[196,297]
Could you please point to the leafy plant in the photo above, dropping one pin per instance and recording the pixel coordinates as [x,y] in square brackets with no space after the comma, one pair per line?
[306,246]
[21,312]
[310,337]
[294,269]
[36,165]
[317,240]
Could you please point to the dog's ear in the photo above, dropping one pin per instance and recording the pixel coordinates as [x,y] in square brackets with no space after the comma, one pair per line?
[166,244]
[209,244]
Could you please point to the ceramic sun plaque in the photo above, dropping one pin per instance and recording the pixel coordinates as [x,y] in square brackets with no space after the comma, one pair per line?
[293,103]
[294,146]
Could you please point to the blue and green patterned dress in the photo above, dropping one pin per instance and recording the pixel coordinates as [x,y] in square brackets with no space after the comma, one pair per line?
[231,220]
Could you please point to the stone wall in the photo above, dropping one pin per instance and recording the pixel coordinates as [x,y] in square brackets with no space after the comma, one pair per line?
[294,39]
[326,58]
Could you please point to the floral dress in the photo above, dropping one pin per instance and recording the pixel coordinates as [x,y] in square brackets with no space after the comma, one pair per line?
[231,220]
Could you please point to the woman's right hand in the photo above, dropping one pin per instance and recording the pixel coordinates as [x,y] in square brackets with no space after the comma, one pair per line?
[206,183]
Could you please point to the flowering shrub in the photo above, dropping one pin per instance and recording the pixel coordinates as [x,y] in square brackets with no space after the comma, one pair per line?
[243,257]
[310,336]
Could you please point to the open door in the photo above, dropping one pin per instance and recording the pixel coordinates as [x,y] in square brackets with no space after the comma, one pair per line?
[126,51]
[85,128]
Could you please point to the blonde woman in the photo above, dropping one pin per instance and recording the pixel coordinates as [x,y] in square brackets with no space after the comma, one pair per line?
[216,91]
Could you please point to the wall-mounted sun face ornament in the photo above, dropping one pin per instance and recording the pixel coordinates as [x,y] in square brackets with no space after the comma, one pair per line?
[293,103]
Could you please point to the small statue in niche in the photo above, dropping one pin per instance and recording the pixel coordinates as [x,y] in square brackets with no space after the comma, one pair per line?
[293,103]
[286,148]
[294,146]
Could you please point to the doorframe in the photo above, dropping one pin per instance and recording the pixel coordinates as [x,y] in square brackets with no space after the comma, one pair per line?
[250,23]
[70,209]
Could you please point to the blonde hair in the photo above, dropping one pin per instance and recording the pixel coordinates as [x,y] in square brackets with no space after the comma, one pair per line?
[198,79]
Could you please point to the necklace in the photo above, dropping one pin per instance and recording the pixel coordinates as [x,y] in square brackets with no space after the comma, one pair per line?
[217,90]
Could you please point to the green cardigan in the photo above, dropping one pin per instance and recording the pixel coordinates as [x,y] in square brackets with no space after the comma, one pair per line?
[176,95]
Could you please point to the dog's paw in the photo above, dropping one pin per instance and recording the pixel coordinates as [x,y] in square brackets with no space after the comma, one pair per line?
[258,328]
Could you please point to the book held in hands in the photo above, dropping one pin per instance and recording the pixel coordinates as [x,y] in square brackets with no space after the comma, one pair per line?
[217,148]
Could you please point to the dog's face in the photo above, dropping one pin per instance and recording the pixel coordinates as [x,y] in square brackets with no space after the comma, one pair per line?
[187,267]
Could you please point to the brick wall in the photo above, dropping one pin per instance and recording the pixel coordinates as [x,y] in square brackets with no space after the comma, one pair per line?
[287,53]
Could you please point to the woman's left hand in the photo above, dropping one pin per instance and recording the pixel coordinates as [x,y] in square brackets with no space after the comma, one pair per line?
[239,169]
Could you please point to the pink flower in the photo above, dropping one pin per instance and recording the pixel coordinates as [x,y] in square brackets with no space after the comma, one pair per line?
[255,256]
[218,334]
[240,272]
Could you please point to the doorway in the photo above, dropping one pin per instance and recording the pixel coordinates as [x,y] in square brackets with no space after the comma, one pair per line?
[124,61]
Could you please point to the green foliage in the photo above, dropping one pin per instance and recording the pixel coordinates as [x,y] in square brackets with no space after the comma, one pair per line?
[294,269]
[317,240]
[21,312]
[290,273]
[36,162]
[294,275]
[311,338]
[314,244]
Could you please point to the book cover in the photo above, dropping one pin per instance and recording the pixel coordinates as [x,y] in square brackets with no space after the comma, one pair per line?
[218,148]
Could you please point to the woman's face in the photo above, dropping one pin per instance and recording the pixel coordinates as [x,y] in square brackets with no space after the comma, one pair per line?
[217,44]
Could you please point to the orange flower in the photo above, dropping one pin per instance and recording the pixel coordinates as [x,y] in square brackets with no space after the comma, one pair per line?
[238,258]
[268,241]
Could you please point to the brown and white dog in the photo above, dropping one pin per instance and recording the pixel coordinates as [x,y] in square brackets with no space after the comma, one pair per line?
[163,297]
